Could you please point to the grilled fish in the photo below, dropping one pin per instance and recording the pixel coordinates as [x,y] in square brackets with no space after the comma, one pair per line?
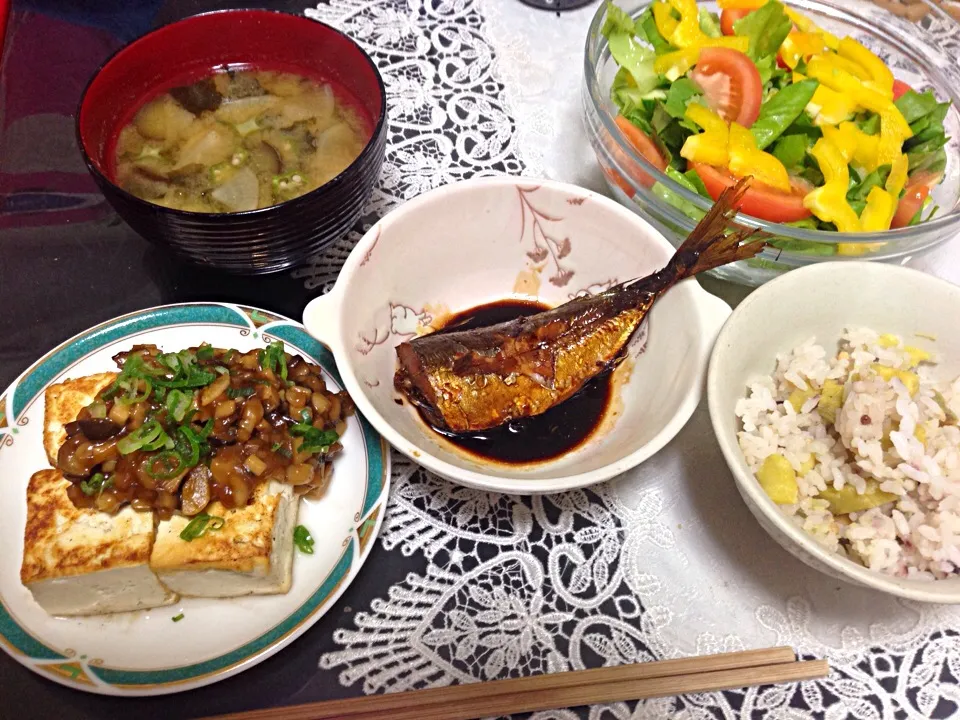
[477,379]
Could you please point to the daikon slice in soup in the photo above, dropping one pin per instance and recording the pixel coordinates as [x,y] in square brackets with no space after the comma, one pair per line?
[238,140]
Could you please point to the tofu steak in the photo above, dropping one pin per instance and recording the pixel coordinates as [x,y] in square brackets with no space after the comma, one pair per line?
[251,555]
[82,561]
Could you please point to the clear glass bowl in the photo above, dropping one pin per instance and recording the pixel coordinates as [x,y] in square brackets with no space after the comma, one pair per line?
[923,54]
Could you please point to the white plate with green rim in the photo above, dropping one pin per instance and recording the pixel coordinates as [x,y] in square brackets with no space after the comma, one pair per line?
[146,652]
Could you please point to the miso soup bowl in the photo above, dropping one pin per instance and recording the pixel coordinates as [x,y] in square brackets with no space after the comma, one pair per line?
[489,239]
[256,241]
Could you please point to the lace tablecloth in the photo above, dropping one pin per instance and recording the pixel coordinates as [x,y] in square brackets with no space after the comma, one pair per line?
[663,561]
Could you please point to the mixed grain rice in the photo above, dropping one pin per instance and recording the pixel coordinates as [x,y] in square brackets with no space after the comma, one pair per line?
[872,444]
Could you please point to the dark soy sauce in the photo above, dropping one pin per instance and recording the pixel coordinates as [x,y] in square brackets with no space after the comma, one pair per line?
[542,437]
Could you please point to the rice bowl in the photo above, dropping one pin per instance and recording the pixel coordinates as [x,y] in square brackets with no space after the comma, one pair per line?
[861,449]
[824,301]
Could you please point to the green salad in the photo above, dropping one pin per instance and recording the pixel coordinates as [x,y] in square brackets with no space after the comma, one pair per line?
[831,139]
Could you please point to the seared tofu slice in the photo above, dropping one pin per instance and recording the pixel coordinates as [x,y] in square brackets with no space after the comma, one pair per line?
[83,561]
[252,554]
[63,402]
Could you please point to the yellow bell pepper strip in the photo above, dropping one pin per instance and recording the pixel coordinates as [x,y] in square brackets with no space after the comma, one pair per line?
[878,71]
[677,63]
[663,18]
[893,131]
[897,179]
[828,107]
[845,137]
[878,213]
[805,24]
[746,159]
[732,146]
[706,148]
[829,202]
[882,203]
[687,32]
[799,45]
[854,249]
[866,153]
[710,146]
[847,65]
[706,118]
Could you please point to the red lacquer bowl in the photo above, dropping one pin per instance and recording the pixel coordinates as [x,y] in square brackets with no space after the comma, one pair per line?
[256,241]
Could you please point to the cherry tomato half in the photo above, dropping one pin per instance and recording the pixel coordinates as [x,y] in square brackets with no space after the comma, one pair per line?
[909,204]
[900,88]
[729,17]
[760,201]
[643,145]
[730,83]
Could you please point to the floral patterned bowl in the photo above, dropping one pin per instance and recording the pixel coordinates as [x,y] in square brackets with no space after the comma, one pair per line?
[485,240]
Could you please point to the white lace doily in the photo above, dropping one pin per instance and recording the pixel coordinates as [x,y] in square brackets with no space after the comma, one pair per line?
[664,561]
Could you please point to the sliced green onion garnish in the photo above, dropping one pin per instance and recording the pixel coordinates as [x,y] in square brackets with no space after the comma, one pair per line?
[274,358]
[240,392]
[205,352]
[178,403]
[303,540]
[195,378]
[132,398]
[177,618]
[194,446]
[205,430]
[165,465]
[146,433]
[200,525]
[95,485]
[97,409]
[314,440]
[162,441]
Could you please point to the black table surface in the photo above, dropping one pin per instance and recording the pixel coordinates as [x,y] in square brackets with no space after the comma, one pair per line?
[65,268]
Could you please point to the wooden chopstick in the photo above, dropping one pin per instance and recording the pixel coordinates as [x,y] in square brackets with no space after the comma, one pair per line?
[569,689]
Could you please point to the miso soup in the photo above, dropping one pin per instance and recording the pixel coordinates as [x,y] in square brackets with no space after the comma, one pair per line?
[238,141]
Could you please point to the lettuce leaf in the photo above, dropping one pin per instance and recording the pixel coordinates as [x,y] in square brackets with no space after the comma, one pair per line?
[766,27]
[709,23]
[913,105]
[697,183]
[670,133]
[627,51]
[645,28]
[803,247]
[860,188]
[674,199]
[869,123]
[781,110]
[679,95]
[791,150]
[617,21]
[803,125]
[933,162]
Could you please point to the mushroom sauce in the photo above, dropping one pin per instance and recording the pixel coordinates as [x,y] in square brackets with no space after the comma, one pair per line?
[177,431]
[237,141]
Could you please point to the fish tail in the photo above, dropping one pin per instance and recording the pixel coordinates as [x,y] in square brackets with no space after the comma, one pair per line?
[709,245]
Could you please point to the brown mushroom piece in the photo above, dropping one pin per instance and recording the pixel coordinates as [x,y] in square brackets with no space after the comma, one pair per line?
[195,495]
[97,429]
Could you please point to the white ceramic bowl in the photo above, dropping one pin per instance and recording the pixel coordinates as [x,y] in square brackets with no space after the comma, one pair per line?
[822,301]
[484,240]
